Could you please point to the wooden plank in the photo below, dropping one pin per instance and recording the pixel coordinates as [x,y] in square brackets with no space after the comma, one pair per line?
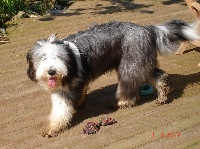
[196,5]
[182,48]
[196,43]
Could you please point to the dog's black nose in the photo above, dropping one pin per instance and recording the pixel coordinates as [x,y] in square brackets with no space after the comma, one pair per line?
[51,72]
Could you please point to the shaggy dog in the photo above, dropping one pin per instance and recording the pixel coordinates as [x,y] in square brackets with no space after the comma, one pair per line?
[65,67]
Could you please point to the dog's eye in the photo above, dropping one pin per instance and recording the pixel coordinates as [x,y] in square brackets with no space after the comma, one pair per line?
[43,57]
[54,56]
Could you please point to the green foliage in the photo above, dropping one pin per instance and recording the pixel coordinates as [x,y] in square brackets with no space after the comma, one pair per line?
[39,7]
[9,8]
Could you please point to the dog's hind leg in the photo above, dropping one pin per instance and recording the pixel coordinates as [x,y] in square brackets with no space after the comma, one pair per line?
[130,76]
[127,95]
[161,82]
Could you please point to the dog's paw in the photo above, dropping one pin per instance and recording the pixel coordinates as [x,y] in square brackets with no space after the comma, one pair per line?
[158,102]
[49,134]
[126,104]
[52,132]
[121,104]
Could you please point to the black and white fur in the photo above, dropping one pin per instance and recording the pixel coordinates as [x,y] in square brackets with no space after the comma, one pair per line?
[65,67]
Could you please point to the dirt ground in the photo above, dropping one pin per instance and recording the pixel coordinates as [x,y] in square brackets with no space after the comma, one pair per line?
[24,106]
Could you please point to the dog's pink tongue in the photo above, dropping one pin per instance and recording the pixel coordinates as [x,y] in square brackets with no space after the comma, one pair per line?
[52,82]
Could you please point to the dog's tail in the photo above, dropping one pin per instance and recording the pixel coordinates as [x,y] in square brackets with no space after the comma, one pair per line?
[171,34]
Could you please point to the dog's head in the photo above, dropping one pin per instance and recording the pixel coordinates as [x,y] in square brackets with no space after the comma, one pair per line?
[52,63]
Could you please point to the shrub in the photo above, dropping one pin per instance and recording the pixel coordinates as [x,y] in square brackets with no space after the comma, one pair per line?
[38,6]
[8,9]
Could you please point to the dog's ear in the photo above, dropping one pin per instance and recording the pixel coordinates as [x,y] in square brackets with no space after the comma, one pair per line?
[69,45]
[30,70]
[66,43]
[52,37]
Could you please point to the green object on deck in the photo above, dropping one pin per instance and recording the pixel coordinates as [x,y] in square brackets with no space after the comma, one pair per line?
[146,89]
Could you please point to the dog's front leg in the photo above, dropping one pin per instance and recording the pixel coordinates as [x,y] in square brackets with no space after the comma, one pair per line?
[61,114]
